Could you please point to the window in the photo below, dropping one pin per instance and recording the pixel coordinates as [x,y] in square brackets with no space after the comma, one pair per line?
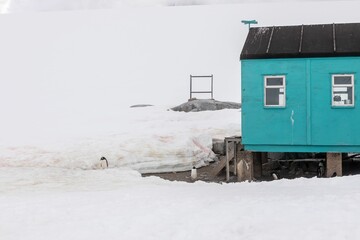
[274,91]
[343,90]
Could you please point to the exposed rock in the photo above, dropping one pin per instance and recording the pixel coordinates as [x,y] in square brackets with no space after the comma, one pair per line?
[198,105]
[141,105]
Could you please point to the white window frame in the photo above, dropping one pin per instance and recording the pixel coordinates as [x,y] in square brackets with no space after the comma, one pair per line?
[275,86]
[333,76]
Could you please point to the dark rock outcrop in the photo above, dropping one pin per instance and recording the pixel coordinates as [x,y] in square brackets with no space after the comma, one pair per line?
[141,105]
[198,105]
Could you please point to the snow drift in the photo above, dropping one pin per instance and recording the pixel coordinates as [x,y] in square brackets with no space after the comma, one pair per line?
[152,139]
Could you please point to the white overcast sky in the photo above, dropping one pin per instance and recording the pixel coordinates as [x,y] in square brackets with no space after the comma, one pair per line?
[11,6]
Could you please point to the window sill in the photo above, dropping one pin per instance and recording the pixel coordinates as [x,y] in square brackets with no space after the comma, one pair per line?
[344,107]
[274,107]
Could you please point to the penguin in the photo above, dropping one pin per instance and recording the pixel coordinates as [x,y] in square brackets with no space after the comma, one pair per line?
[193,173]
[104,163]
[275,177]
[320,169]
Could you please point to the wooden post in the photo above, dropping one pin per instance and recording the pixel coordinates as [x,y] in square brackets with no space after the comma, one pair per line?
[235,158]
[232,147]
[333,164]
[227,161]
[245,168]
[264,157]
[257,164]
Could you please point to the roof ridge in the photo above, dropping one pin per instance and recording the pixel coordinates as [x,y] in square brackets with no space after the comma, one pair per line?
[298,25]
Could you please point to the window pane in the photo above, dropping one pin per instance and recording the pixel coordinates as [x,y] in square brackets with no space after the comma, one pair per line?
[342,96]
[275,97]
[342,80]
[274,81]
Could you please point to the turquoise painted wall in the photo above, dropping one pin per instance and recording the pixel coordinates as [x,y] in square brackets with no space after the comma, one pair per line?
[308,123]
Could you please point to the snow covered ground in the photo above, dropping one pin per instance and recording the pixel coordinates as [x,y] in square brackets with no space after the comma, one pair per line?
[117,203]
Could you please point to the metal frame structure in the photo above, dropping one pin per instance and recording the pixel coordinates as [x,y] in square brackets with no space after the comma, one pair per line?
[202,76]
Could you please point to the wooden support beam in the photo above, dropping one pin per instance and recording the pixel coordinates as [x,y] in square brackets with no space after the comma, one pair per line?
[245,170]
[227,161]
[333,164]
[257,164]
[231,146]
[235,158]
[220,166]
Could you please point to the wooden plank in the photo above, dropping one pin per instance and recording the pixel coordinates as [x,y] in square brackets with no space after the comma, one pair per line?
[231,155]
[219,167]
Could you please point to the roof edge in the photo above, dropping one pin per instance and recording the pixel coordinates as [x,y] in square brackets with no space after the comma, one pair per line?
[300,55]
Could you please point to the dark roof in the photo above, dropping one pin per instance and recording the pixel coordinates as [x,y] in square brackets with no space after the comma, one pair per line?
[326,40]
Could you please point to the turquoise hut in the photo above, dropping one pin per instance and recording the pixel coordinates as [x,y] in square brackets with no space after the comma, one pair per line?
[300,89]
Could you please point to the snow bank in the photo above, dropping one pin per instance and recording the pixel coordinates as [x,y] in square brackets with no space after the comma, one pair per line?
[152,139]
